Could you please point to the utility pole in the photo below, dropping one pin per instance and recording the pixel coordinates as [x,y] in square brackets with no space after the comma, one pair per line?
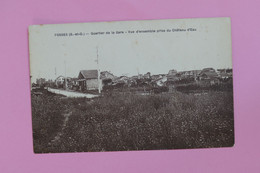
[98,69]
[138,72]
[55,72]
[65,78]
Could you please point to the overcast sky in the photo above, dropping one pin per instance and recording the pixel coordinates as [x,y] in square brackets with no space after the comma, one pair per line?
[128,54]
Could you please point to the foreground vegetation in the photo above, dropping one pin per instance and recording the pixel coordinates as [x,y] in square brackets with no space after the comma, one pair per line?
[126,121]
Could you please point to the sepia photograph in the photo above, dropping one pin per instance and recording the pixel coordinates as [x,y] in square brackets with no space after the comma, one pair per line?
[131,85]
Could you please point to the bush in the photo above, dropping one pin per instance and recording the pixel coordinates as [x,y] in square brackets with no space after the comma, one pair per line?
[125,121]
[47,119]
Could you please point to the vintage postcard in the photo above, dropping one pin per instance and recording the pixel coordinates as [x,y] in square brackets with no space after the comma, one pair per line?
[131,85]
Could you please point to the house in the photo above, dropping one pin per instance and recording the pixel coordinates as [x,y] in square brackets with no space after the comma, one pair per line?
[88,80]
[196,73]
[72,83]
[162,81]
[140,76]
[122,79]
[147,75]
[60,82]
[157,76]
[107,77]
[208,75]
[172,76]
[225,74]
[188,74]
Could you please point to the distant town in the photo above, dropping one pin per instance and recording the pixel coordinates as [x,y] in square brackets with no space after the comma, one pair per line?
[93,80]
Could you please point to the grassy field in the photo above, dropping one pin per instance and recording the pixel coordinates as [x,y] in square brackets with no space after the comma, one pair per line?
[125,121]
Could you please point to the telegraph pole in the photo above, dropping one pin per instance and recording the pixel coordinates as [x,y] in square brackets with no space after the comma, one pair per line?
[138,72]
[98,69]
[65,78]
[55,71]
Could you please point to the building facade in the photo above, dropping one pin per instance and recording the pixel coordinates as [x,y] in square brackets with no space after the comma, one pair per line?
[88,80]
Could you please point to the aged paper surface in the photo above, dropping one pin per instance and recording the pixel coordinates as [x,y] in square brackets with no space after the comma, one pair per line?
[132,85]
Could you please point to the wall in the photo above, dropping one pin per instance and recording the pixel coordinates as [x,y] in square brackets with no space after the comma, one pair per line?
[92,84]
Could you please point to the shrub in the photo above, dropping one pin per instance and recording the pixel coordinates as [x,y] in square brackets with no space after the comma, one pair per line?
[126,121]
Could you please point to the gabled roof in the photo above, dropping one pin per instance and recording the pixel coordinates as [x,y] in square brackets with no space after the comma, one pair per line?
[60,77]
[172,73]
[106,74]
[89,74]
[208,69]
[210,74]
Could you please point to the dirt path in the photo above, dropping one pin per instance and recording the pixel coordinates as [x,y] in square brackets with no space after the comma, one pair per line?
[59,134]
[71,93]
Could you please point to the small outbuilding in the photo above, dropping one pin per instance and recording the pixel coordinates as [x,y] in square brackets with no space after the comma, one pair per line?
[88,80]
